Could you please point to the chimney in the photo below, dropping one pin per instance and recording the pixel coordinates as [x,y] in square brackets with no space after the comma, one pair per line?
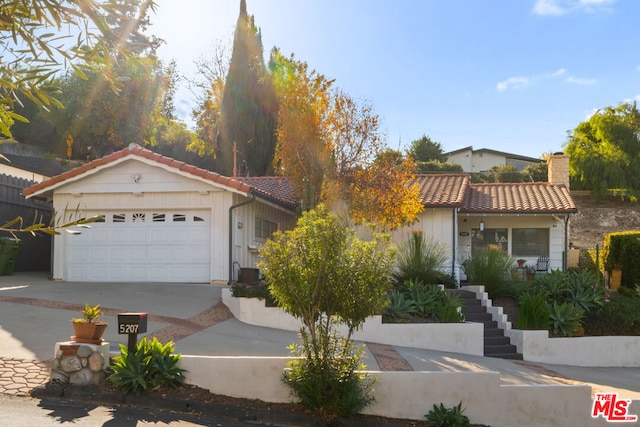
[558,164]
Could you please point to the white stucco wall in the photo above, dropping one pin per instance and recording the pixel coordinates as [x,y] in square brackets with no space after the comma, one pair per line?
[465,338]
[410,395]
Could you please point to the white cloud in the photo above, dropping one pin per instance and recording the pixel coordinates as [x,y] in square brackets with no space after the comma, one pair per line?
[548,7]
[514,83]
[521,82]
[563,7]
[581,81]
[560,72]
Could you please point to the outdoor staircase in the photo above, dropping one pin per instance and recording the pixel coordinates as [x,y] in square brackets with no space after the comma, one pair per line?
[495,343]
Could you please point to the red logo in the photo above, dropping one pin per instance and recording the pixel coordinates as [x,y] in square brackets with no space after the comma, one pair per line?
[612,409]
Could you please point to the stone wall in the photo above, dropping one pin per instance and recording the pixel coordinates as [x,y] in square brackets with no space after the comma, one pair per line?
[79,364]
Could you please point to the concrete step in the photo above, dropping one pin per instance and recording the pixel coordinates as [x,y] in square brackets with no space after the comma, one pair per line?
[475,309]
[499,340]
[493,332]
[479,317]
[499,349]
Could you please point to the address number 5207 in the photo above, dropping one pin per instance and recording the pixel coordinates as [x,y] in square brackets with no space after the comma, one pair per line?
[128,329]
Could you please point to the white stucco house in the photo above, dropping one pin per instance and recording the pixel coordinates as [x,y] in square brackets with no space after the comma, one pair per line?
[528,220]
[167,221]
[483,159]
[164,220]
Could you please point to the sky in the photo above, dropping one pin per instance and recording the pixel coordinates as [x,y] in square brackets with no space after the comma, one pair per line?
[505,75]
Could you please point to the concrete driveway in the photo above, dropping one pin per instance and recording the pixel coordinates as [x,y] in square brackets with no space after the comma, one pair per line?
[35,313]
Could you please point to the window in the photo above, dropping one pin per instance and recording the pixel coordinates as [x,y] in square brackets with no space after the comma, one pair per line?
[531,242]
[118,217]
[265,228]
[481,240]
[198,219]
[179,218]
[158,217]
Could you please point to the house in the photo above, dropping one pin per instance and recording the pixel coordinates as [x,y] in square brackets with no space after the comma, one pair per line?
[27,162]
[167,221]
[527,220]
[162,220]
[475,161]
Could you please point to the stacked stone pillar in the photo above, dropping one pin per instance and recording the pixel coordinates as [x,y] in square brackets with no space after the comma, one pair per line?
[80,364]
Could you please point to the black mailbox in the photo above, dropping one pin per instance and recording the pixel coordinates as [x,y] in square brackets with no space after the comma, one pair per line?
[132,323]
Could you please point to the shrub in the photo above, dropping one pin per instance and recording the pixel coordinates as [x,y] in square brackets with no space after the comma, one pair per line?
[424,298]
[399,308]
[327,377]
[555,285]
[420,259]
[447,310]
[533,311]
[565,319]
[151,366]
[490,267]
[260,291]
[619,316]
[441,416]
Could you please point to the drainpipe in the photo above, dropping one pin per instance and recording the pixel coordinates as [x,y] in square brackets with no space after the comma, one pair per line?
[455,242]
[246,202]
[566,243]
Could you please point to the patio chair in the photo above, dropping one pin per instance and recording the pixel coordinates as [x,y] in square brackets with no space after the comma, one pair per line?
[542,266]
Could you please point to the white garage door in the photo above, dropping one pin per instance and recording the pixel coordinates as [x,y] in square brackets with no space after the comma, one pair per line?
[142,246]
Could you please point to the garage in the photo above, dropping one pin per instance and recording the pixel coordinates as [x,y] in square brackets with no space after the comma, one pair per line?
[162,220]
[142,246]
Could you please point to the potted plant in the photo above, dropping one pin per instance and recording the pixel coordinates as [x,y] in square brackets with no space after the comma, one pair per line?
[521,262]
[89,328]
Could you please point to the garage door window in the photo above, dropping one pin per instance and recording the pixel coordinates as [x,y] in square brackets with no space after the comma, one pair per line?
[158,217]
[119,218]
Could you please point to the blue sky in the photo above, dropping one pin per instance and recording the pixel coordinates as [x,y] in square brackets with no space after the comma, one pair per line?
[507,75]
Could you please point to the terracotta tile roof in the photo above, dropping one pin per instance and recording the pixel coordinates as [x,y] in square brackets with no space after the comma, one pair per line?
[272,187]
[443,190]
[273,190]
[530,197]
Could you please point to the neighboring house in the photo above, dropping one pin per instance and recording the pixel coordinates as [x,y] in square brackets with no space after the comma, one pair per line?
[164,220]
[27,162]
[167,221]
[475,161]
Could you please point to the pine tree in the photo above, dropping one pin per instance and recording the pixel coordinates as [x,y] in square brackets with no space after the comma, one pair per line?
[249,105]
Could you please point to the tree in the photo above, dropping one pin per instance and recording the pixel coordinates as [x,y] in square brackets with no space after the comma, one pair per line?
[321,274]
[248,109]
[435,166]
[301,153]
[40,38]
[605,150]
[503,173]
[102,121]
[424,149]
[381,195]
[332,143]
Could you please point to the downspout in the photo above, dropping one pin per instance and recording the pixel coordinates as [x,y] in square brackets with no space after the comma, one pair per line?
[246,202]
[566,243]
[455,242]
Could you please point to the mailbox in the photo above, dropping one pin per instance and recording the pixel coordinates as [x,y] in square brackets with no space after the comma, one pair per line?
[132,323]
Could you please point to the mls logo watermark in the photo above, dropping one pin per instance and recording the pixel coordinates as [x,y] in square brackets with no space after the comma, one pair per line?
[612,409]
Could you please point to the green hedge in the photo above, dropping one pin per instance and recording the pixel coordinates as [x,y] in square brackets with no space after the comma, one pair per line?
[622,250]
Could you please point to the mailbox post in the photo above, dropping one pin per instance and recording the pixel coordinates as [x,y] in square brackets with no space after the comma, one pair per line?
[132,324]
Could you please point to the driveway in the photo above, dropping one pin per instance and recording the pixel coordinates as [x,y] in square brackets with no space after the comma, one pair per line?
[35,313]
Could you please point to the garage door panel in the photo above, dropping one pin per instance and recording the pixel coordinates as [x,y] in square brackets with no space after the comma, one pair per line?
[141,251]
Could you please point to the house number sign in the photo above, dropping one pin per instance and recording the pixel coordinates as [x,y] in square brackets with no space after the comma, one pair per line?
[132,324]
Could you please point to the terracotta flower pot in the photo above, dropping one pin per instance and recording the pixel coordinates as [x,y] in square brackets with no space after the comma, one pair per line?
[69,349]
[90,333]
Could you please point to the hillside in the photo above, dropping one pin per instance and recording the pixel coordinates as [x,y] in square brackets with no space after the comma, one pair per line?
[596,218]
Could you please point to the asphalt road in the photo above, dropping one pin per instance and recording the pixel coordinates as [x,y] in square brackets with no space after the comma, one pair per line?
[27,412]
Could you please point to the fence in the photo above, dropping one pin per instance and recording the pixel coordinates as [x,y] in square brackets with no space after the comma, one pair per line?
[35,251]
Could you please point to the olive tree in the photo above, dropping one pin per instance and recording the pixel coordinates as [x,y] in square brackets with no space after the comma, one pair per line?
[321,274]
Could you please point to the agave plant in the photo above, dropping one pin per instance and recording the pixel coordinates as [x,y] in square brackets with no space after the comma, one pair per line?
[565,319]
[420,259]
[399,307]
